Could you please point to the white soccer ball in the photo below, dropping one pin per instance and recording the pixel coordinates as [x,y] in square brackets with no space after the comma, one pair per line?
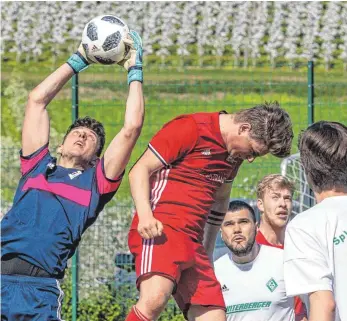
[102,39]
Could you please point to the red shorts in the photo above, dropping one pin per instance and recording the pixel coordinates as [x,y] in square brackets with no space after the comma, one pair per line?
[175,256]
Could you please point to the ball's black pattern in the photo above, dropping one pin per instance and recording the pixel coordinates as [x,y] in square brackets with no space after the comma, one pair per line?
[104,61]
[112,41]
[92,31]
[85,47]
[113,19]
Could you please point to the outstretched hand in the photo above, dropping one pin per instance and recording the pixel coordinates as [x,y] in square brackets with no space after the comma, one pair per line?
[83,53]
[134,55]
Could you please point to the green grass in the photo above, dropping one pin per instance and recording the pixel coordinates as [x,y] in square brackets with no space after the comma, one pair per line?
[169,93]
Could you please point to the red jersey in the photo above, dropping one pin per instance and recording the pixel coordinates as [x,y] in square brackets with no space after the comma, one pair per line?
[196,164]
[299,307]
[260,238]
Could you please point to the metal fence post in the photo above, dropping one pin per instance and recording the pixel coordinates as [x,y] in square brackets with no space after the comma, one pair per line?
[310,109]
[75,257]
[310,83]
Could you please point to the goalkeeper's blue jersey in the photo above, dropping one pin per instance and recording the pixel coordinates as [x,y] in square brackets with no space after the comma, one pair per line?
[52,208]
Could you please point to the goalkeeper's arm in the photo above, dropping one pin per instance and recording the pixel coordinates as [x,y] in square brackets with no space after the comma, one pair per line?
[118,153]
[216,217]
[35,133]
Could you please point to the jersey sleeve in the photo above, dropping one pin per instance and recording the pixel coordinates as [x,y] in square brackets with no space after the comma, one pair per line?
[306,269]
[176,139]
[106,185]
[27,163]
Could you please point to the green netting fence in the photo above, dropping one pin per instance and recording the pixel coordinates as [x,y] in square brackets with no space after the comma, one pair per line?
[105,279]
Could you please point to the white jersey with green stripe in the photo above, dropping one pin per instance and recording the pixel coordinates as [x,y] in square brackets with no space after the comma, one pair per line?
[320,262]
[255,291]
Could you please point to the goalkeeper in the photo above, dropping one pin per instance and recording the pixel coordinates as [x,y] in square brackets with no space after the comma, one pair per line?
[57,200]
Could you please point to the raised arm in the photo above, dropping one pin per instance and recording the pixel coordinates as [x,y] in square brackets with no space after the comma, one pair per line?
[118,152]
[35,132]
[215,218]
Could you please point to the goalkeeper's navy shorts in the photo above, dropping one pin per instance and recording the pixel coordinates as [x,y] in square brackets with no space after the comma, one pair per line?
[25,298]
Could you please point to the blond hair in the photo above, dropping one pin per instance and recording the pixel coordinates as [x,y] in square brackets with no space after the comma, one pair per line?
[271,181]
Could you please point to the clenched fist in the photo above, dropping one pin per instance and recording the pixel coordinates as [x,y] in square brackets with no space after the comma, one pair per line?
[149,227]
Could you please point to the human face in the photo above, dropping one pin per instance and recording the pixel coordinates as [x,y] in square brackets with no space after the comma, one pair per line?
[244,147]
[238,232]
[81,143]
[276,206]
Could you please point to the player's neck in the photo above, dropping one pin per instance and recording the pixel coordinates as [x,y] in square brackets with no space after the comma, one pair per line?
[71,162]
[226,125]
[326,194]
[273,235]
[249,257]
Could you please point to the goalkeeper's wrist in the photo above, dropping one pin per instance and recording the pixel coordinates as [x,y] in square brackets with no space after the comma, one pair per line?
[77,62]
[135,73]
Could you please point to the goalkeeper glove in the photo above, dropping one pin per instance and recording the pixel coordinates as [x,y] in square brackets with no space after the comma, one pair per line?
[79,60]
[133,60]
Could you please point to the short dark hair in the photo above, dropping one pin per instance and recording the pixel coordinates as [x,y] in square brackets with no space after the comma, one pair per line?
[93,125]
[323,154]
[240,205]
[271,125]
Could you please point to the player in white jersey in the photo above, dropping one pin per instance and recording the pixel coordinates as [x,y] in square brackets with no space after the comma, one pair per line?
[251,275]
[315,249]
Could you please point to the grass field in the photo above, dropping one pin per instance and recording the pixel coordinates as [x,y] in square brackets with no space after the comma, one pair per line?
[168,93]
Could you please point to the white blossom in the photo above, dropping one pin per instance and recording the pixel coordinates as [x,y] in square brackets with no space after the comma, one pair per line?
[293,30]
[274,45]
[185,30]
[8,14]
[330,23]
[310,29]
[204,30]
[343,45]
[223,28]
[257,28]
[239,38]
[167,22]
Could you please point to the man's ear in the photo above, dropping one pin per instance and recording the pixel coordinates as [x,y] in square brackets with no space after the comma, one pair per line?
[244,128]
[221,234]
[260,205]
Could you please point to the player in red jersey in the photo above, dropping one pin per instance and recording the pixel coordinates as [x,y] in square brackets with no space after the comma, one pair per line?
[181,182]
[275,203]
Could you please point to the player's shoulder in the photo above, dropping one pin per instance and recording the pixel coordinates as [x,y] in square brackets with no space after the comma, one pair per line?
[327,210]
[309,217]
[196,121]
[221,262]
[269,254]
[205,117]
[271,251]
[182,120]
